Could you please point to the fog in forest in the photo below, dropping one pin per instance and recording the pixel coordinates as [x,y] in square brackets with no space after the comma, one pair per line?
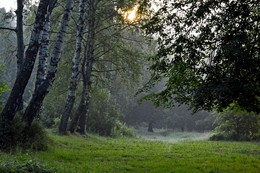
[129,86]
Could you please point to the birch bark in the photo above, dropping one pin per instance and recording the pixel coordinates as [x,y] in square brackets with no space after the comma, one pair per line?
[75,70]
[40,93]
[22,78]
[87,72]
[43,53]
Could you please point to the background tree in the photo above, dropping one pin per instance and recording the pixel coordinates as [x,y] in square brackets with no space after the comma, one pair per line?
[237,124]
[177,118]
[112,54]
[208,51]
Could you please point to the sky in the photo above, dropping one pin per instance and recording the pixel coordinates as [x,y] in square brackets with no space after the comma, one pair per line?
[8,4]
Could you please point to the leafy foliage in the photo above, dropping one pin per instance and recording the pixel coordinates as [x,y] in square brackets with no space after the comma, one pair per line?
[25,167]
[209,53]
[35,138]
[105,115]
[237,124]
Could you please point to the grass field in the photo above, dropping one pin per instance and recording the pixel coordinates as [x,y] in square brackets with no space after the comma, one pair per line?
[72,154]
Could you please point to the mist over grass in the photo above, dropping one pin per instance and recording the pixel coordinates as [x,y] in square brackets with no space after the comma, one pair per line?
[171,135]
[94,154]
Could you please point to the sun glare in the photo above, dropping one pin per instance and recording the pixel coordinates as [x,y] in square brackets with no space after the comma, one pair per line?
[130,15]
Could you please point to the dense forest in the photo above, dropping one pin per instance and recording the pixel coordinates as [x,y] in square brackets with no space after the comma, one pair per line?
[119,68]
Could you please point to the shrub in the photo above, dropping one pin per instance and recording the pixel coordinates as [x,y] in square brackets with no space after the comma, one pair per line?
[105,115]
[237,124]
[25,167]
[121,129]
[35,138]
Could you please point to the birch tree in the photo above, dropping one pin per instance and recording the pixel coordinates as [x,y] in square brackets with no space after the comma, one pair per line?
[105,27]
[88,60]
[23,76]
[43,53]
[75,70]
[40,92]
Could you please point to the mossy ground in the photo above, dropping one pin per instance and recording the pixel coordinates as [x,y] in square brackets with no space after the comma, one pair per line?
[72,154]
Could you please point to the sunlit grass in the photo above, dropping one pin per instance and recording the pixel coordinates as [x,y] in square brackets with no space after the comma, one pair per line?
[70,154]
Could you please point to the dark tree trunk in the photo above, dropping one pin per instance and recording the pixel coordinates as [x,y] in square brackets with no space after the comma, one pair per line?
[35,103]
[83,115]
[39,94]
[82,121]
[150,126]
[20,45]
[75,119]
[13,102]
[66,114]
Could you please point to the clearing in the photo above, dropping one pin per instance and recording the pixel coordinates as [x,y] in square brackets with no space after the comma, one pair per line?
[75,154]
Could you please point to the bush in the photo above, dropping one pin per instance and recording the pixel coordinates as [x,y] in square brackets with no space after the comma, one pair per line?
[237,124]
[35,138]
[105,115]
[121,129]
[25,167]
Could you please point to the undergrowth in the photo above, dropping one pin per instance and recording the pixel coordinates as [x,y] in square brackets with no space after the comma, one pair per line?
[25,167]
[34,138]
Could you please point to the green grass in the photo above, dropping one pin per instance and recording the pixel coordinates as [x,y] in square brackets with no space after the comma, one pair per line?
[71,154]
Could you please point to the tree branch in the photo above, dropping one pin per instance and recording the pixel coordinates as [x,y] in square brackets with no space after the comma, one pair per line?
[10,29]
[111,70]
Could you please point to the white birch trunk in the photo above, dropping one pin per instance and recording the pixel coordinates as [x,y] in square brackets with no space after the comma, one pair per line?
[75,70]
[43,53]
[80,115]
[39,94]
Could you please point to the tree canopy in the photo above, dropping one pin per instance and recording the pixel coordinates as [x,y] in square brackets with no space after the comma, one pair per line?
[208,52]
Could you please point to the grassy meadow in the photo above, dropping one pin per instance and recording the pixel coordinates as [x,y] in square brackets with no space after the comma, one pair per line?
[76,154]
